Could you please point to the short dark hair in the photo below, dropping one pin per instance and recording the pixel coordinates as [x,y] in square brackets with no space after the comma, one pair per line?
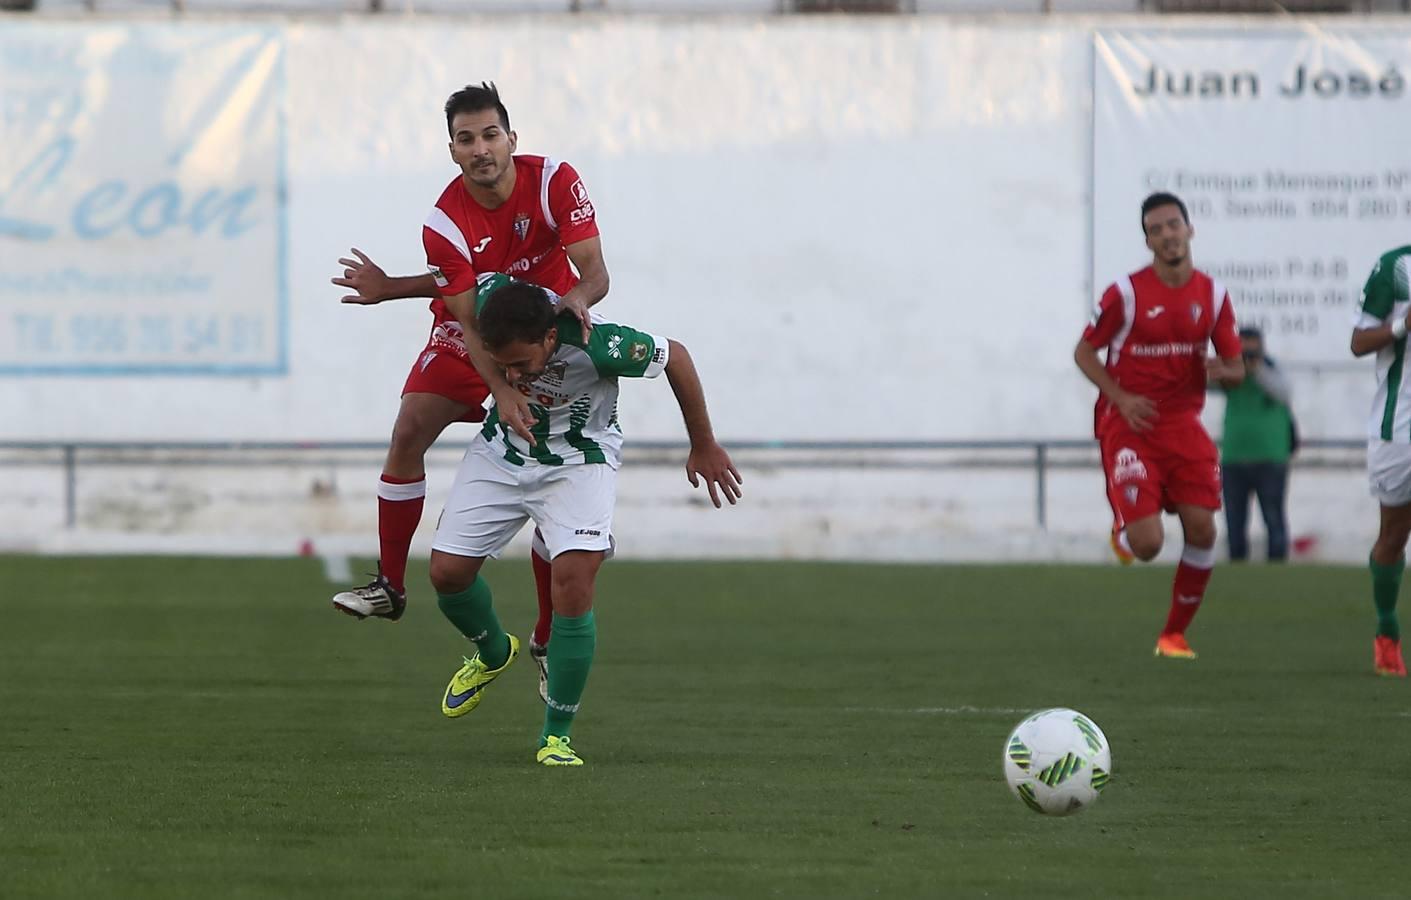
[519,311]
[1249,331]
[1161,198]
[471,99]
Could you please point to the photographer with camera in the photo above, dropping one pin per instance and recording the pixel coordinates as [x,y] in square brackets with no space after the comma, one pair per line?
[1258,440]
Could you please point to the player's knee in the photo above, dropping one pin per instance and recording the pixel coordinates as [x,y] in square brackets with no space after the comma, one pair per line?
[450,574]
[572,594]
[1145,548]
[1391,543]
[412,436]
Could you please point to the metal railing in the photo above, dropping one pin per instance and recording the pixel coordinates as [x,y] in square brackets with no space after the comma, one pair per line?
[1039,455]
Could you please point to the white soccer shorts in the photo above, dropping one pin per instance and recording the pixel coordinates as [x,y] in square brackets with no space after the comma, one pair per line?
[492,499]
[1389,472]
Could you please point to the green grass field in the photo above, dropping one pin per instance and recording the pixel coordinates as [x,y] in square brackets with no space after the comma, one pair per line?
[197,728]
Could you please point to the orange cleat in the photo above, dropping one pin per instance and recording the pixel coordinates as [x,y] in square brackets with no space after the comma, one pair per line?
[1174,646]
[1386,656]
[1124,556]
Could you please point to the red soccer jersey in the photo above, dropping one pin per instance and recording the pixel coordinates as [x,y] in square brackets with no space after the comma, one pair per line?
[524,237]
[1157,338]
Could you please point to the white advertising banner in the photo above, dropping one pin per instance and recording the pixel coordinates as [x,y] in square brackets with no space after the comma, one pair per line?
[141,201]
[1292,150]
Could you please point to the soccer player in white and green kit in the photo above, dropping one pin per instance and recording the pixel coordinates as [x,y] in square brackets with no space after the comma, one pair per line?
[1380,328]
[564,479]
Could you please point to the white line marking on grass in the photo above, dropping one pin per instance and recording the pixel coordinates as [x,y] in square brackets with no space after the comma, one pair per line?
[938,710]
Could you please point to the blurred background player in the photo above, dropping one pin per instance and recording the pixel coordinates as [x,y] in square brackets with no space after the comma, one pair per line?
[565,480]
[1156,325]
[1380,328]
[1255,445]
[529,215]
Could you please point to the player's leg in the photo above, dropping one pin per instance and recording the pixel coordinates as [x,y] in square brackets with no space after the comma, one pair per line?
[574,509]
[1271,487]
[543,587]
[1192,578]
[1134,492]
[1145,536]
[440,389]
[401,492]
[572,647]
[1237,481]
[1191,467]
[1388,560]
[483,512]
[1389,474]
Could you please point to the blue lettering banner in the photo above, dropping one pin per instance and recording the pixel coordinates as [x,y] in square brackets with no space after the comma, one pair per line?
[142,200]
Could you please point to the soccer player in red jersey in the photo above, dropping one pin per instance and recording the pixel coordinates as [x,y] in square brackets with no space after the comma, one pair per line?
[526,216]
[1157,325]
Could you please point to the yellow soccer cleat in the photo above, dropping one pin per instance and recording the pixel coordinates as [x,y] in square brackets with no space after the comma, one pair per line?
[466,687]
[1174,646]
[556,752]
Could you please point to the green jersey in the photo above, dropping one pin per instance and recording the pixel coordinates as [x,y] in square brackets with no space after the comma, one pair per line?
[574,400]
[1386,298]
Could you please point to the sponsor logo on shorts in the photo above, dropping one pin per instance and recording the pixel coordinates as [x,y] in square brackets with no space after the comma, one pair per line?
[589,531]
[1127,466]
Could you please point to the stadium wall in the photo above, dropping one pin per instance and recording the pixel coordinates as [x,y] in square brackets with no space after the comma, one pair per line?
[889,222]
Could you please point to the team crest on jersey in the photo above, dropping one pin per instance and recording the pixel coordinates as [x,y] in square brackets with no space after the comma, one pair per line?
[521,226]
[1127,466]
[1131,494]
[1195,312]
[638,351]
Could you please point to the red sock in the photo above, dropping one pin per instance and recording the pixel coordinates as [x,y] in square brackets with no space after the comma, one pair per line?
[543,583]
[399,505]
[1188,589]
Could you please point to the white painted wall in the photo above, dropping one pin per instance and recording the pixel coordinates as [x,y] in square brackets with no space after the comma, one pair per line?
[864,228]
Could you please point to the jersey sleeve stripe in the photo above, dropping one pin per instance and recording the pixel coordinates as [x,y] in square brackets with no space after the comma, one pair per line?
[1219,299]
[442,224]
[1129,315]
[550,167]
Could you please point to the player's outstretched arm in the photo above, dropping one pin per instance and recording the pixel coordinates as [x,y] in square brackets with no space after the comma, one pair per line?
[370,284]
[587,257]
[511,406]
[707,459]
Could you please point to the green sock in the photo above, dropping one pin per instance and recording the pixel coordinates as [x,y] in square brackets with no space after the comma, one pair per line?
[1386,584]
[473,612]
[571,643]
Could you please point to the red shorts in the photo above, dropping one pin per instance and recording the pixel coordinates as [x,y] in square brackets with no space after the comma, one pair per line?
[447,375]
[1156,470]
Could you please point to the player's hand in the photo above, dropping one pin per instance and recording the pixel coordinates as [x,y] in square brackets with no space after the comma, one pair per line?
[1223,370]
[513,409]
[1138,411]
[712,464]
[365,277]
[579,309]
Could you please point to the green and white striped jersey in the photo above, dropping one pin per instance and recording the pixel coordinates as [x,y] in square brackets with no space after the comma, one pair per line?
[574,400]
[1385,298]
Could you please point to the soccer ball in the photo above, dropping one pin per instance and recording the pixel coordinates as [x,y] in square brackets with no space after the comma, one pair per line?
[1057,761]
